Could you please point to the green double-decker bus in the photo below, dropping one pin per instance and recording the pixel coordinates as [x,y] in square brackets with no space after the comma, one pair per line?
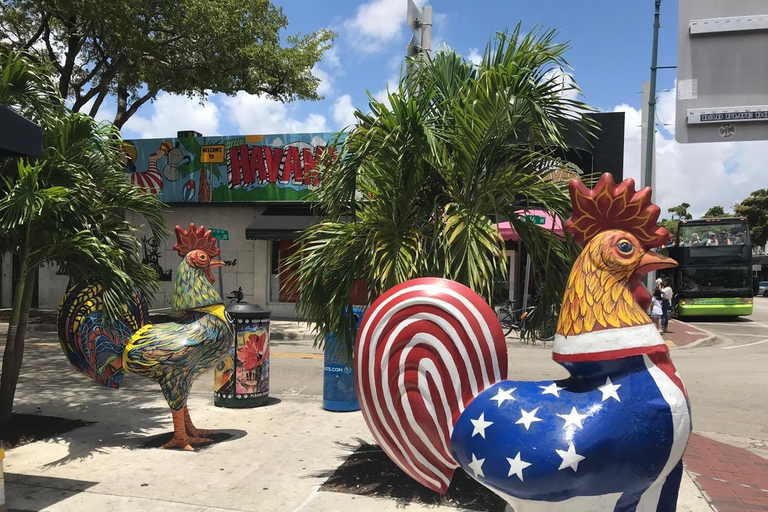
[714,273]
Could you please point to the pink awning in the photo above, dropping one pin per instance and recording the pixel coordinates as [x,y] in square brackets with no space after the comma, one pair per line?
[508,232]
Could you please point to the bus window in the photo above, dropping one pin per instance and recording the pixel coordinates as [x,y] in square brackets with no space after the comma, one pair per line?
[715,278]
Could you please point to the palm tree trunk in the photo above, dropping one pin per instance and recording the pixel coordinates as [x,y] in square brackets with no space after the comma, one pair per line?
[14,343]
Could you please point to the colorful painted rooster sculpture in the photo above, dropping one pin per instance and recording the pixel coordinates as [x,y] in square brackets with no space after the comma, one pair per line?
[173,354]
[431,368]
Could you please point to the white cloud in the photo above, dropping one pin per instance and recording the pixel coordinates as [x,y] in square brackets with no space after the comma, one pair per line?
[376,23]
[256,114]
[326,82]
[331,58]
[344,111]
[566,82]
[474,56]
[173,113]
[381,95]
[703,175]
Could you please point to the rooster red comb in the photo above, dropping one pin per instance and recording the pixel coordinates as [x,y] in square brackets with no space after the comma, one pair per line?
[195,238]
[611,206]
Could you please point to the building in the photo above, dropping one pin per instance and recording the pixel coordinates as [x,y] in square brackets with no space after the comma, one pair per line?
[252,189]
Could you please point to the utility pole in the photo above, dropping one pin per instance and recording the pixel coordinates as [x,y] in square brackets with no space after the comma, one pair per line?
[651,119]
[420,23]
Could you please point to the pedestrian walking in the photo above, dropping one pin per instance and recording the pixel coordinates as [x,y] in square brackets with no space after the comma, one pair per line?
[666,302]
[656,309]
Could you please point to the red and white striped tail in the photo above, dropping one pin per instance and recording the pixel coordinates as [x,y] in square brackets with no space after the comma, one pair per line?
[150,181]
[425,349]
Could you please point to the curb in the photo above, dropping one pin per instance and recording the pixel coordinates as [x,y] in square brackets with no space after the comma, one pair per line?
[710,340]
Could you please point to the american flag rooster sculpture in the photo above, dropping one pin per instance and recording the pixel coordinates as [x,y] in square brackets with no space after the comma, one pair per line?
[431,374]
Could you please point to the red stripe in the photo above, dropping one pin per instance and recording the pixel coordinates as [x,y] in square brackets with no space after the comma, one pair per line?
[371,354]
[609,354]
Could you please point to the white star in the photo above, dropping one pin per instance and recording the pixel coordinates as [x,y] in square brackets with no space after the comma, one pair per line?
[480,425]
[477,466]
[503,394]
[570,458]
[552,389]
[516,466]
[574,418]
[609,390]
[527,418]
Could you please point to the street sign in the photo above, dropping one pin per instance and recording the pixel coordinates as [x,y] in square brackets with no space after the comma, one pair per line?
[212,154]
[534,219]
[222,235]
[722,71]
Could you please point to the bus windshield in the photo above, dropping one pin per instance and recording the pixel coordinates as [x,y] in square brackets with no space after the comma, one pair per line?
[715,279]
[714,243]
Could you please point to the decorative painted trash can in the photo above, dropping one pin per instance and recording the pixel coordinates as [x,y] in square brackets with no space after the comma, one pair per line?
[339,392]
[241,379]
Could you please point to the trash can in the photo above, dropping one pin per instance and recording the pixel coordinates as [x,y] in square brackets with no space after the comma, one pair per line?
[339,392]
[241,379]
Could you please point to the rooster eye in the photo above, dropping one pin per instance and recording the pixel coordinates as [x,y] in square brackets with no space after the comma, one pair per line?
[625,247]
[202,257]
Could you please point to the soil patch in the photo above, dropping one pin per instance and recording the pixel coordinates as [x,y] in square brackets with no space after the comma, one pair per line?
[28,428]
[370,472]
[36,316]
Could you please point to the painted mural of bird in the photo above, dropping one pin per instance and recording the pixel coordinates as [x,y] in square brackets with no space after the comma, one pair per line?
[431,374]
[173,354]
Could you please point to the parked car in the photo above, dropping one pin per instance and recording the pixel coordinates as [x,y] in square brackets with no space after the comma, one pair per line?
[762,288]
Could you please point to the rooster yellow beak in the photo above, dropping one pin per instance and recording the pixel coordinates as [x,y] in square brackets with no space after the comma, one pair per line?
[652,260]
[216,263]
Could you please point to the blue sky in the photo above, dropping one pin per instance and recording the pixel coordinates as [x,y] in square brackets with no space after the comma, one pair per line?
[610,55]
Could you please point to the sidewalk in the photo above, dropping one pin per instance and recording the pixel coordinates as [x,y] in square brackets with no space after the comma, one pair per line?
[276,460]
[682,334]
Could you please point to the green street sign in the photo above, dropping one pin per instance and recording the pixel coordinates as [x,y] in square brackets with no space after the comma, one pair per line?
[222,235]
[534,219]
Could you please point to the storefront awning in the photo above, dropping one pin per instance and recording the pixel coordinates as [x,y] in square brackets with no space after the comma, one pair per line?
[278,227]
[19,136]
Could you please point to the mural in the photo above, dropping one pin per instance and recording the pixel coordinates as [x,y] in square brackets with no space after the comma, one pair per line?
[172,354]
[227,168]
[431,375]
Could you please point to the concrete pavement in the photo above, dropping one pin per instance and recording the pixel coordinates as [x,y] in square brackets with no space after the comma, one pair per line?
[276,460]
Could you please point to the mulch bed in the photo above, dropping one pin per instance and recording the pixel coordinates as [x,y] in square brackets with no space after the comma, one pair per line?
[370,472]
[35,316]
[28,428]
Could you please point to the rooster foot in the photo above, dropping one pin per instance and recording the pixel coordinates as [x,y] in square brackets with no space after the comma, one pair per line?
[183,443]
[199,432]
[186,443]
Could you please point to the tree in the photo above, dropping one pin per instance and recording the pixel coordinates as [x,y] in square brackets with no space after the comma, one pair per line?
[66,208]
[671,226]
[137,48]
[755,209]
[716,211]
[426,176]
[680,212]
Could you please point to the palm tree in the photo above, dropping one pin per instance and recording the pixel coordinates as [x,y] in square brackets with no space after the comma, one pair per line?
[66,208]
[426,175]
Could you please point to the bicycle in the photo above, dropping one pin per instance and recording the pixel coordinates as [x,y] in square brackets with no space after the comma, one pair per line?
[519,320]
[513,319]
[237,296]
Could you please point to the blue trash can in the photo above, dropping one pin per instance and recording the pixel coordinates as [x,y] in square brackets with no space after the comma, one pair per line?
[339,392]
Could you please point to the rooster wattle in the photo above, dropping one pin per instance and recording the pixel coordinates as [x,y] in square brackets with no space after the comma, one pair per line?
[431,366]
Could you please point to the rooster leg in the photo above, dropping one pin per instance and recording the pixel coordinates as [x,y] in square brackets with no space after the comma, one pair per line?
[192,430]
[180,437]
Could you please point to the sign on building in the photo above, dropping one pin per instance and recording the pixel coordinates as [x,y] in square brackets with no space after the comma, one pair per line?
[250,168]
[722,71]
[222,235]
